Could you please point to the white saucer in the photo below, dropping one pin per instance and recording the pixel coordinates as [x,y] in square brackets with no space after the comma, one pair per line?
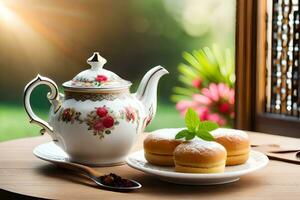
[50,152]
[255,162]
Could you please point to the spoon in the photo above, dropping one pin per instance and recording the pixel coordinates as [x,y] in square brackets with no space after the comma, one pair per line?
[107,181]
[275,148]
[298,154]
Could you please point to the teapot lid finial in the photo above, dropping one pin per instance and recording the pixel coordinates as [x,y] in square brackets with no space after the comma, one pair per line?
[96,61]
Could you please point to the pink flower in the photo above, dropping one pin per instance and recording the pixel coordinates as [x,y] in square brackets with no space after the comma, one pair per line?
[218,119]
[101,78]
[224,107]
[203,113]
[215,103]
[201,99]
[211,92]
[183,105]
[197,83]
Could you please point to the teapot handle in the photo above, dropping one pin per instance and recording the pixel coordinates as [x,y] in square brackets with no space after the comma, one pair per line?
[53,96]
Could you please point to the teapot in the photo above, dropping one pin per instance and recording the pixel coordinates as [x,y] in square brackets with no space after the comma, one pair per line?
[97,120]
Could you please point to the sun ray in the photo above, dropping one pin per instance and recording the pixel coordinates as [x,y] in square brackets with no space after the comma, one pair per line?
[53,22]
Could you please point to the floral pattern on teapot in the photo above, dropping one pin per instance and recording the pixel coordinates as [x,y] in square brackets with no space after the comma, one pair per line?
[102,120]
[97,103]
[69,115]
[131,115]
[84,82]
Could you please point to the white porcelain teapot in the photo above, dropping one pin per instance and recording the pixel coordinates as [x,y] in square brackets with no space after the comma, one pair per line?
[97,120]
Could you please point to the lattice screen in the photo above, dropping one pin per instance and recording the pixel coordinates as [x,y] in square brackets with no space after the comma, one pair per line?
[283,88]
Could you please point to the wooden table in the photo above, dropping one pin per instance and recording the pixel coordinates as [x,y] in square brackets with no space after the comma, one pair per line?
[22,173]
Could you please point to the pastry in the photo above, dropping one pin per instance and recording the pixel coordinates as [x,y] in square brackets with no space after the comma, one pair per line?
[159,146]
[199,156]
[236,143]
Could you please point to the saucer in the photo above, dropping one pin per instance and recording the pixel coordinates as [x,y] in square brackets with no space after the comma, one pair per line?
[50,152]
[255,162]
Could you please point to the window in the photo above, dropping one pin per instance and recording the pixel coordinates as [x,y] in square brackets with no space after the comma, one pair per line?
[282,88]
[267,59]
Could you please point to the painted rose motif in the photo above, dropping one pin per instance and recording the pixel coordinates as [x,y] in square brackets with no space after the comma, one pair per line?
[130,114]
[149,118]
[69,115]
[101,78]
[84,82]
[101,121]
[101,112]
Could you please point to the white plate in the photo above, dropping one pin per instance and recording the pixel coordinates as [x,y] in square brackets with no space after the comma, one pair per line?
[255,162]
[50,152]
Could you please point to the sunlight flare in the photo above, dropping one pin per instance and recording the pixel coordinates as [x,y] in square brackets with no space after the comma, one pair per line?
[6,15]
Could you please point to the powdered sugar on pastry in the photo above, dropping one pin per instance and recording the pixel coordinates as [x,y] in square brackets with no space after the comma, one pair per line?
[165,134]
[229,133]
[198,146]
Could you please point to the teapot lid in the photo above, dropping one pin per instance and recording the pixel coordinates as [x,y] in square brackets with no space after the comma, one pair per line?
[97,77]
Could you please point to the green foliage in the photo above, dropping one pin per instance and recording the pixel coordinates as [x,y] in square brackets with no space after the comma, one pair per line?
[14,122]
[205,135]
[196,128]
[181,134]
[209,66]
[207,125]
[191,120]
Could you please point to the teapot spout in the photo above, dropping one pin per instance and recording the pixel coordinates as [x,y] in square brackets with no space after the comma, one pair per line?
[147,91]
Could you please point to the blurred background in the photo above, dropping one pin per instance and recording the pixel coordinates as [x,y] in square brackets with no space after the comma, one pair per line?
[55,37]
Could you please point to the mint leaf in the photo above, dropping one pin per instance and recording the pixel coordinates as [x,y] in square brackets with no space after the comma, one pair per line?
[190,135]
[207,126]
[191,120]
[196,128]
[181,134]
[205,135]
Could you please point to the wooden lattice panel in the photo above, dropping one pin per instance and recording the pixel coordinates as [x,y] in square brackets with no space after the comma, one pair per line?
[283,68]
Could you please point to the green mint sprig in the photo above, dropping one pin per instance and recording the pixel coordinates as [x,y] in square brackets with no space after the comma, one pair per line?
[196,128]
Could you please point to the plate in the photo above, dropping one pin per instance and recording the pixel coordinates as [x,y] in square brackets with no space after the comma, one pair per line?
[255,162]
[50,152]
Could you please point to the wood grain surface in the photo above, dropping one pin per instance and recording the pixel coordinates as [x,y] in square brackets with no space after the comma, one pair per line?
[22,173]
